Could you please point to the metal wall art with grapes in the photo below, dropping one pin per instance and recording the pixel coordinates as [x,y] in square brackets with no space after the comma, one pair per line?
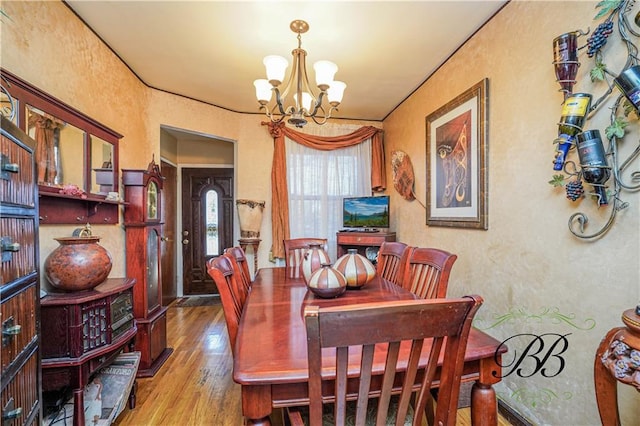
[598,164]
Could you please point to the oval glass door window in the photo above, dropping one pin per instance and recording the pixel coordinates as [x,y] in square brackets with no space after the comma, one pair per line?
[211,215]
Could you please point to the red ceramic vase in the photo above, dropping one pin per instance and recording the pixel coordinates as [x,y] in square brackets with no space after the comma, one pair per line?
[78,263]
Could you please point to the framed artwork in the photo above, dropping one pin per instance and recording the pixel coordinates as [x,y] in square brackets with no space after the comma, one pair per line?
[457,191]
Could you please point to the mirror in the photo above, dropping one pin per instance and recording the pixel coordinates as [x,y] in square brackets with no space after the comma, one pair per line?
[101,166]
[66,139]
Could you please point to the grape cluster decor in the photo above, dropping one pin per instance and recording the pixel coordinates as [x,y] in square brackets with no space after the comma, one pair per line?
[598,39]
[574,190]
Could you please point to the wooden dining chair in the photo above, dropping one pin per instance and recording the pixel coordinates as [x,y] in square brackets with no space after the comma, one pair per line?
[392,257]
[426,273]
[294,250]
[225,273]
[241,258]
[353,331]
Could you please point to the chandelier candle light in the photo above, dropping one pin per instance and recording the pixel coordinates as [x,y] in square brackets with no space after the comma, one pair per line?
[305,102]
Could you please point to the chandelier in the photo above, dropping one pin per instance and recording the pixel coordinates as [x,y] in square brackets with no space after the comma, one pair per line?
[303,101]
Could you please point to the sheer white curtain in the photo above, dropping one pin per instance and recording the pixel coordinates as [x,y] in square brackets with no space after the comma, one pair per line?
[319,180]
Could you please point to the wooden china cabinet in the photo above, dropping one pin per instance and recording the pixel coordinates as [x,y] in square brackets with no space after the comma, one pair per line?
[143,228]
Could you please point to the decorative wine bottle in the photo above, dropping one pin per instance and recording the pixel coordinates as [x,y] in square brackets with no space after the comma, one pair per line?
[574,113]
[593,162]
[565,60]
[629,84]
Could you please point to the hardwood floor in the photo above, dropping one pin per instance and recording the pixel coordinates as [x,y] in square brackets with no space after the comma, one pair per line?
[195,385]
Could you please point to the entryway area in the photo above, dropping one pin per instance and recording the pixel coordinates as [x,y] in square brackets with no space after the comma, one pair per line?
[201,223]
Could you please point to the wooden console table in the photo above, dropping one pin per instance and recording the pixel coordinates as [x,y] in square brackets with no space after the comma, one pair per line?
[617,360]
[361,240]
[82,332]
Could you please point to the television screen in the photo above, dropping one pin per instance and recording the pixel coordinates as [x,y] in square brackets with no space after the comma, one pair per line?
[365,212]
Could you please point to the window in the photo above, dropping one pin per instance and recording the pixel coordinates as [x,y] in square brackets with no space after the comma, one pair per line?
[319,180]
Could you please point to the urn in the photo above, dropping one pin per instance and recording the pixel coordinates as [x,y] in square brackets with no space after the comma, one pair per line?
[327,282]
[78,263]
[313,259]
[356,268]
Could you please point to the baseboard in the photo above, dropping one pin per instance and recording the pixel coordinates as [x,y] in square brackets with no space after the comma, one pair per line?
[511,415]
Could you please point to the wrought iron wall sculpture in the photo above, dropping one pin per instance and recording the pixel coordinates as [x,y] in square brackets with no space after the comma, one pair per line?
[598,163]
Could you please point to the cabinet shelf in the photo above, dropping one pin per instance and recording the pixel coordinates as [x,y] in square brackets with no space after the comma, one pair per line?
[56,208]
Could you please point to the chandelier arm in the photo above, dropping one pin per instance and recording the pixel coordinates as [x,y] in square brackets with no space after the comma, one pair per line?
[325,116]
[323,121]
[270,115]
[305,79]
[301,76]
[318,104]
[278,101]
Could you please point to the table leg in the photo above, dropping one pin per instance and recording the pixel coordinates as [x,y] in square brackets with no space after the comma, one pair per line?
[484,406]
[256,405]
[78,407]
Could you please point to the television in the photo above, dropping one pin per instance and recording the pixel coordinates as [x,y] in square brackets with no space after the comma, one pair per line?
[365,212]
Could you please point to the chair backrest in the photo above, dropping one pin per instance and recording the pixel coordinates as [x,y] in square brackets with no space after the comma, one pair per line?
[294,250]
[392,257]
[241,259]
[226,274]
[444,323]
[427,270]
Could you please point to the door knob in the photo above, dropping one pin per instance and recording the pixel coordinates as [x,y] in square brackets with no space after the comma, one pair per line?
[185,241]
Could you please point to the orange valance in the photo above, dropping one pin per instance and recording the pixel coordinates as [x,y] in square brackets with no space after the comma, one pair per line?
[279,189]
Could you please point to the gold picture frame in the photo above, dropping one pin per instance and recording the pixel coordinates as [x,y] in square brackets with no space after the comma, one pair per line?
[457,173]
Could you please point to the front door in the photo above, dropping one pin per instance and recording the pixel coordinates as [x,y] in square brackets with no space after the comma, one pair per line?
[207,224]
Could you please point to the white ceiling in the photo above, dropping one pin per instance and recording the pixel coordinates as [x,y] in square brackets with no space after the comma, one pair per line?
[212,50]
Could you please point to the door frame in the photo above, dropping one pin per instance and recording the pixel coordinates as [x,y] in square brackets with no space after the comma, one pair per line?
[175,242]
[236,226]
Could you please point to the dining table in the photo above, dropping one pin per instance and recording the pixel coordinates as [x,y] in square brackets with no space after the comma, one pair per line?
[270,357]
